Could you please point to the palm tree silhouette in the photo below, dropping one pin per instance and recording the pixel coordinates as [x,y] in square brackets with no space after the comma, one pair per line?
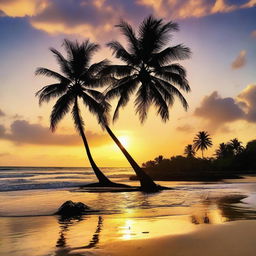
[189,151]
[202,141]
[237,146]
[224,150]
[78,82]
[148,71]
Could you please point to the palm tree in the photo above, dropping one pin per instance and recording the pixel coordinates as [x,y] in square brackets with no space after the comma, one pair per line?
[189,151]
[237,146]
[225,150]
[77,81]
[202,141]
[149,71]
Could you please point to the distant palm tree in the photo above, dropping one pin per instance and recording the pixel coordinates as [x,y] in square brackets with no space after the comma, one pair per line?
[189,151]
[237,146]
[202,141]
[77,81]
[149,71]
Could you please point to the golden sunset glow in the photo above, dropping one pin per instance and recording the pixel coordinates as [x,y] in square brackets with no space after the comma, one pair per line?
[221,100]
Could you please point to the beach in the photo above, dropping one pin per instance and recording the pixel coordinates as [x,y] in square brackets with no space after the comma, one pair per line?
[194,218]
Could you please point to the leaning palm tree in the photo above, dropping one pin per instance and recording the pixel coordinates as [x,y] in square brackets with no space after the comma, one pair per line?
[189,151]
[149,71]
[76,82]
[202,141]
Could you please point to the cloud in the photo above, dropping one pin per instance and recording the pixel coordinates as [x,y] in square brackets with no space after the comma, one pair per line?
[20,8]
[96,18]
[191,8]
[253,34]
[218,111]
[2,113]
[240,60]
[248,99]
[185,128]
[23,132]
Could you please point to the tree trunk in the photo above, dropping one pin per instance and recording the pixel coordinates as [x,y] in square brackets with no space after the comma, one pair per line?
[99,174]
[103,180]
[147,184]
[202,153]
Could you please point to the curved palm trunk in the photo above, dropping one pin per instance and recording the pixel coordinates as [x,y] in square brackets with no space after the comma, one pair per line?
[147,184]
[99,174]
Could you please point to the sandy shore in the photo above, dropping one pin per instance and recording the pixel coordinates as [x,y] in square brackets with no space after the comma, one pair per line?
[229,239]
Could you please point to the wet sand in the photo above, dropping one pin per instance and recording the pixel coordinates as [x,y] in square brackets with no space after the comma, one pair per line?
[229,239]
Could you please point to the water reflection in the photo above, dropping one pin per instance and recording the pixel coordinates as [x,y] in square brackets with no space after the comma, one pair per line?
[61,244]
[227,208]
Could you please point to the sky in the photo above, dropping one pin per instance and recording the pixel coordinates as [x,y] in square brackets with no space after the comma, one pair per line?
[221,74]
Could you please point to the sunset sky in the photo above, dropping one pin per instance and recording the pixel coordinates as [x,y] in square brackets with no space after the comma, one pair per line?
[221,73]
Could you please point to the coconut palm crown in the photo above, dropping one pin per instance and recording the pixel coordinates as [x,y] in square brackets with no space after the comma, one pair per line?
[202,141]
[77,81]
[189,151]
[150,70]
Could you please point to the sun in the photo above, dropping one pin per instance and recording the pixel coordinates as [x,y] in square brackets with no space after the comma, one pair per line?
[124,140]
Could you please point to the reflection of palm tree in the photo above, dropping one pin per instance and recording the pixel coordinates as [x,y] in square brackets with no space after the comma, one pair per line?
[189,151]
[147,69]
[62,244]
[202,141]
[77,82]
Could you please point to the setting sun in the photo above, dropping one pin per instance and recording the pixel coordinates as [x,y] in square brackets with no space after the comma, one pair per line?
[124,140]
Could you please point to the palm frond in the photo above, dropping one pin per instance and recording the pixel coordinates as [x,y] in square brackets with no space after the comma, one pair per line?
[118,71]
[49,73]
[124,92]
[121,53]
[63,63]
[174,78]
[129,33]
[142,102]
[169,54]
[160,103]
[95,68]
[61,107]
[173,90]
[76,114]
[51,91]
[94,106]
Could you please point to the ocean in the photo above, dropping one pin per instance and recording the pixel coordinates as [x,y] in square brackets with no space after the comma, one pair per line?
[29,197]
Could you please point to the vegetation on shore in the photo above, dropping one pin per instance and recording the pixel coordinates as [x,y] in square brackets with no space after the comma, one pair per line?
[231,160]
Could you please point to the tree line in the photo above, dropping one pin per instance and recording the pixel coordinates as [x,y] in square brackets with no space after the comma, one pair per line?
[230,160]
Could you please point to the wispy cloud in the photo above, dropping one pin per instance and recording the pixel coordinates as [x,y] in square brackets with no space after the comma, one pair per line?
[190,8]
[240,60]
[253,34]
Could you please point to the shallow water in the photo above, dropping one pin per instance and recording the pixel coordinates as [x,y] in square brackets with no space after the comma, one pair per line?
[28,227]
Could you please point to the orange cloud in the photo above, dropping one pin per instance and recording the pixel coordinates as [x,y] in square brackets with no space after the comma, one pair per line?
[23,132]
[20,8]
[192,8]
